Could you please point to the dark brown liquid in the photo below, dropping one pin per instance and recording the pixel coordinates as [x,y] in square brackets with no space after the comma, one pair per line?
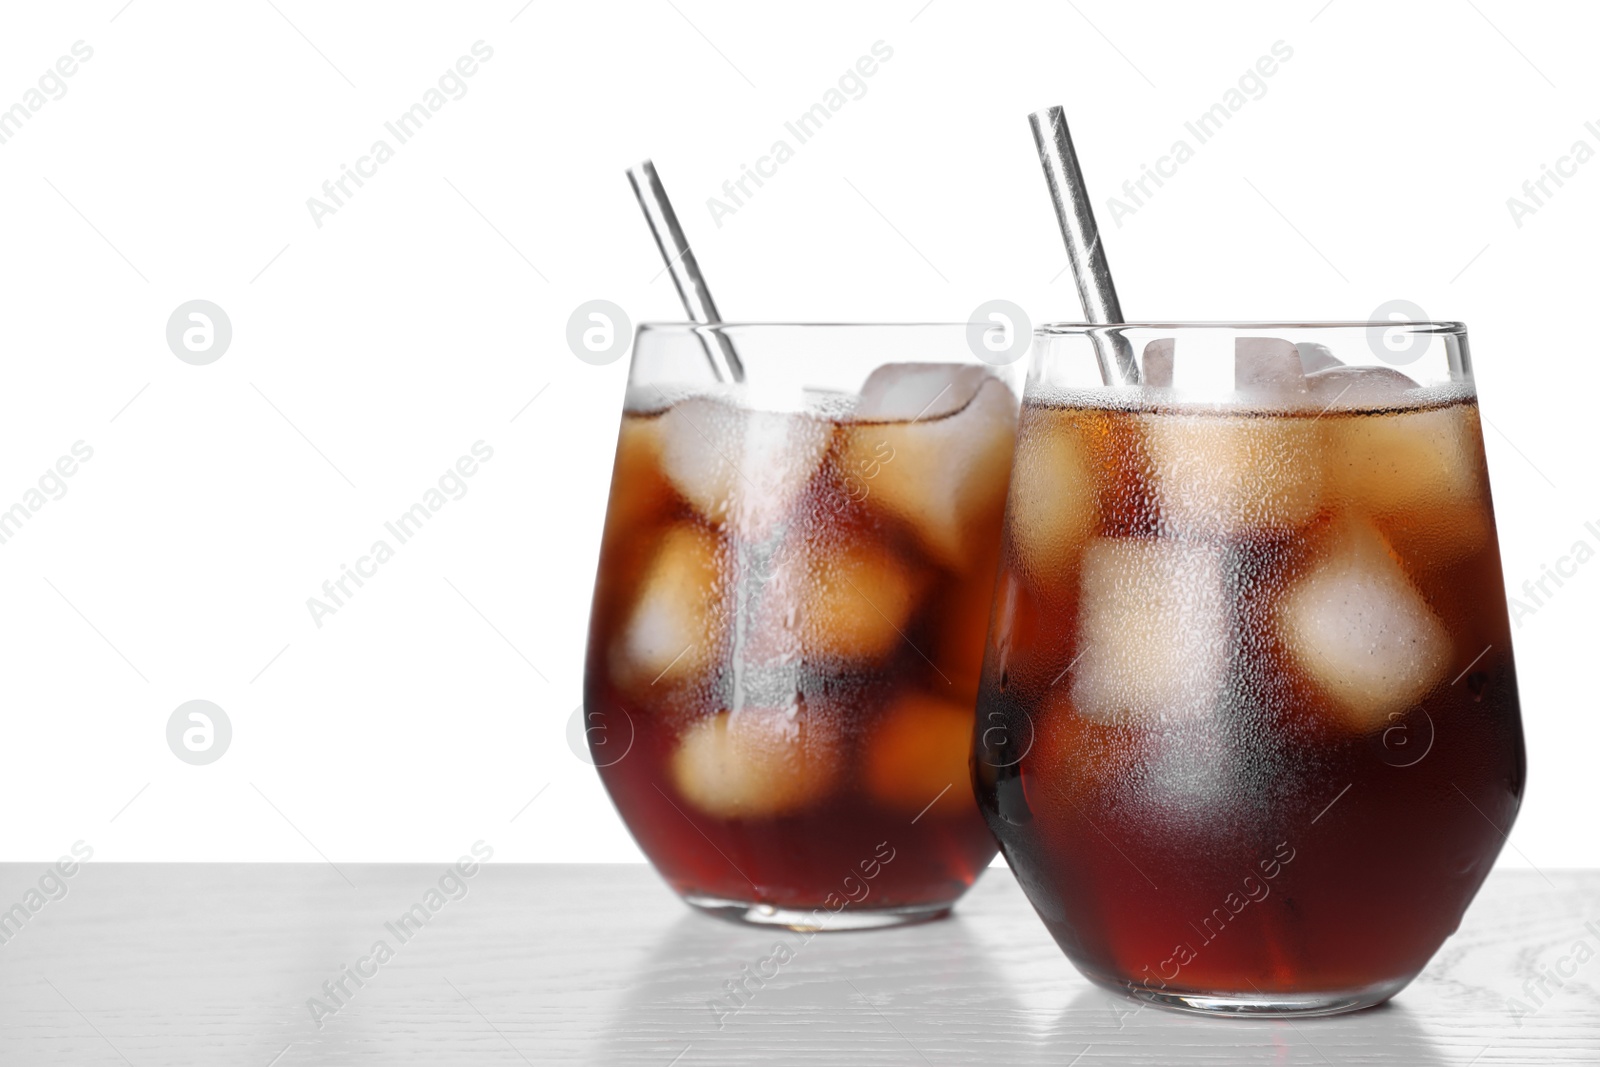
[1312,802]
[822,720]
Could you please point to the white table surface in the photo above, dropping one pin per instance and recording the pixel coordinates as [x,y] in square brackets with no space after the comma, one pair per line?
[213,964]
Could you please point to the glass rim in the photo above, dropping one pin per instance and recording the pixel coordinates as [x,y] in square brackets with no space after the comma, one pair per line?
[684,327]
[1429,325]
[1443,326]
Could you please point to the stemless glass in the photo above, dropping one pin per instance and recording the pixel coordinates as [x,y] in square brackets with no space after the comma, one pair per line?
[789,616]
[1248,729]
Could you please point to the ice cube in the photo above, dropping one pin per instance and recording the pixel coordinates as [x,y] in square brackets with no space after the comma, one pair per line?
[756,762]
[1315,357]
[1158,363]
[1359,630]
[1355,388]
[1192,778]
[905,392]
[917,756]
[1205,365]
[1153,631]
[944,473]
[741,467]
[1053,503]
[1407,459]
[1226,474]
[855,599]
[676,627]
[1268,370]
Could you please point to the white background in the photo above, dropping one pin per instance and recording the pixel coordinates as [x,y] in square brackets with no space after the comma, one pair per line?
[426,313]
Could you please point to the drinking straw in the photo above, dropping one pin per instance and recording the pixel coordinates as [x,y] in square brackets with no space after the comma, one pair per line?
[1079,232]
[685,270]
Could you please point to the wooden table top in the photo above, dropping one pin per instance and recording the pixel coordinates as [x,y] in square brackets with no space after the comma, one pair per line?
[167,964]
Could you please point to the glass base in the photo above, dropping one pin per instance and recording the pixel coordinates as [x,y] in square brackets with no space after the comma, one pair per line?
[819,920]
[1256,1004]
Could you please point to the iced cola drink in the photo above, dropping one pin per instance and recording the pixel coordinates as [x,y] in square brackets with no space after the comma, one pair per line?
[1248,730]
[789,619]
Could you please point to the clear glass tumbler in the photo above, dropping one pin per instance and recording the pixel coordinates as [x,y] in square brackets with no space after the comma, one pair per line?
[789,616]
[1248,729]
